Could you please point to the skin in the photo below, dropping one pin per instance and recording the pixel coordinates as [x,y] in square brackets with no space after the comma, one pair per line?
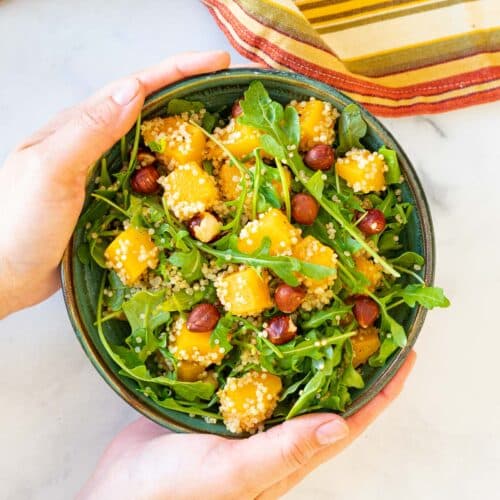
[144,461]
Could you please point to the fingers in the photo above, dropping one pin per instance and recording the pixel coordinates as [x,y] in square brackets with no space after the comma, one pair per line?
[275,454]
[357,424]
[181,66]
[79,136]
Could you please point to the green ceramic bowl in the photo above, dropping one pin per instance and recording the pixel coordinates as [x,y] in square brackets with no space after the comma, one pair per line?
[81,282]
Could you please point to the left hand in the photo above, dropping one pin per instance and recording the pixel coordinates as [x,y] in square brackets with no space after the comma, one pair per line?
[42,183]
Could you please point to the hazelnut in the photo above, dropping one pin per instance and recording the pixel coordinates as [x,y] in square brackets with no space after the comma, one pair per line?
[203,318]
[288,298]
[320,157]
[145,180]
[304,209]
[145,158]
[204,226]
[236,109]
[372,222]
[281,330]
[365,310]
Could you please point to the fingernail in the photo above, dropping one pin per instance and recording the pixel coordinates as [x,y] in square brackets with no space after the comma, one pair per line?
[126,91]
[332,431]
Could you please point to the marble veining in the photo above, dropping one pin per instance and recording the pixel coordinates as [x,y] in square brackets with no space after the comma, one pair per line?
[440,439]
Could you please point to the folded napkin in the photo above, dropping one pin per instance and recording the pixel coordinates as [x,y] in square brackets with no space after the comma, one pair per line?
[397,57]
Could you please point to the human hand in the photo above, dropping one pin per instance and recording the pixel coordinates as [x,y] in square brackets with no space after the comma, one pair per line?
[148,463]
[42,183]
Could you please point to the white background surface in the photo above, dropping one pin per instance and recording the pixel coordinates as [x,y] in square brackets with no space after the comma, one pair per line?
[440,439]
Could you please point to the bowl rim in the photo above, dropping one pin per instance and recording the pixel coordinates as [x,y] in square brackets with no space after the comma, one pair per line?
[427,235]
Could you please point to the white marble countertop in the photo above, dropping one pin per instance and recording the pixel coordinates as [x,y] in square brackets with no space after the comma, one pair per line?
[441,439]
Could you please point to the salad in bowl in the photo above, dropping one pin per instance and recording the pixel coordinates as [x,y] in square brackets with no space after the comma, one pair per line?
[254,260]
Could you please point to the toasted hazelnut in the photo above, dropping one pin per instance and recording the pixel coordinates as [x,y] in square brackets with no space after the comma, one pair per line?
[304,209]
[145,180]
[203,318]
[281,329]
[320,157]
[365,310]
[288,298]
[205,227]
[372,222]
[144,158]
[236,109]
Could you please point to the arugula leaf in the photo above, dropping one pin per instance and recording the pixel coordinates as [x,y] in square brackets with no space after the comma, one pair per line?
[190,264]
[284,267]
[408,259]
[179,106]
[387,347]
[220,334]
[172,404]
[83,253]
[119,289]
[182,301]
[144,316]
[271,146]
[308,394]
[427,296]
[393,175]
[158,146]
[396,331]
[318,318]
[352,128]
[315,184]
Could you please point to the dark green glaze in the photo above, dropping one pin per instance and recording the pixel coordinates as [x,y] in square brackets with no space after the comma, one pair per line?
[81,282]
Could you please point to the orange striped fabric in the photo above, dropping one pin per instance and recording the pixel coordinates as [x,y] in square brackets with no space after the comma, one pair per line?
[396,57]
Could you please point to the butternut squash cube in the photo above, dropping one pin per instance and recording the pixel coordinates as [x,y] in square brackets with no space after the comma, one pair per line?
[274,225]
[229,181]
[317,120]
[189,190]
[365,343]
[174,139]
[240,139]
[247,401]
[311,250]
[194,347]
[187,371]
[362,170]
[131,253]
[244,293]
[371,270]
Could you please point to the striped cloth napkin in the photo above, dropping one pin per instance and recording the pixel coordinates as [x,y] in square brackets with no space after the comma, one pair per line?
[397,57]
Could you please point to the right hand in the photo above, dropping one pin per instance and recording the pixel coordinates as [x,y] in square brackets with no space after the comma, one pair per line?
[146,462]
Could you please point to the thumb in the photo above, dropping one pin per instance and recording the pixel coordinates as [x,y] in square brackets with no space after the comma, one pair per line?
[92,128]
[275,454]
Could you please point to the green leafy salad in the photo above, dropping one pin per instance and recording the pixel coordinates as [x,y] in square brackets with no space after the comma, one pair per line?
[257,257]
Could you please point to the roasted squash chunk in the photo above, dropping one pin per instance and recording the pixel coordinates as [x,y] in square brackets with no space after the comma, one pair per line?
[239,139]
[317,119]
[194,347]
[187,371]
[371,270]
[365,343]
[362,170]
[244,293]
[311,250]
[174,139]
[229,181]
[131,253]
[189,190]
[246,402]
[274,225]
